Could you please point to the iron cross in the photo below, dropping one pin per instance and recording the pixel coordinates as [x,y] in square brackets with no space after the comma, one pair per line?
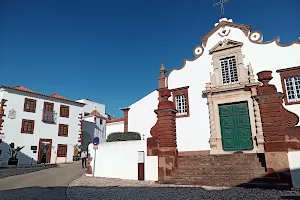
[222,2]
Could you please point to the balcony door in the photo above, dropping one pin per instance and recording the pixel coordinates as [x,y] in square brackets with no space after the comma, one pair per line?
[48,114]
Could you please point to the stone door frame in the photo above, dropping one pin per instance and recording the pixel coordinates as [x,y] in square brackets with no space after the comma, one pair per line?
[216,99]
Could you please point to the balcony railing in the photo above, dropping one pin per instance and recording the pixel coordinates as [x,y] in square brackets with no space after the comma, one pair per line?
[49,116]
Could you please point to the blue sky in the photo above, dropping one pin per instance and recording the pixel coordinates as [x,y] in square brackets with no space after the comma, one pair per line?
[110,51]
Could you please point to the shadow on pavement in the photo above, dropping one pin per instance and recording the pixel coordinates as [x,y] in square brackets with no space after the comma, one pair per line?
[135,193]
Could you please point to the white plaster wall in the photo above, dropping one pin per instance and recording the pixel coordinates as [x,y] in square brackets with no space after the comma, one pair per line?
[12,127]
[91,105]
[100,130]
[114,127]
[141,116]
[120,160]
[294,162]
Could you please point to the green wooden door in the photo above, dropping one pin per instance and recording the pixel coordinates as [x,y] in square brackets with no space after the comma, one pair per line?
[235,127]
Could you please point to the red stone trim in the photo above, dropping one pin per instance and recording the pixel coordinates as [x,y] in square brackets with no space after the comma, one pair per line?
[181,91]
[29,100]
[64,107]
[39,151]
[64,154]
[243,27]
[48,103]
[125,110]
[2,105]
[276,40]
[115,120]
[284,73]
[59,130]
[32,126]
[80,128]
[278,124]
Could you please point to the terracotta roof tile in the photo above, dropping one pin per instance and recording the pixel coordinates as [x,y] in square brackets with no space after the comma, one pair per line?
[58,96]
[55,96]
[24,89]
[95,113]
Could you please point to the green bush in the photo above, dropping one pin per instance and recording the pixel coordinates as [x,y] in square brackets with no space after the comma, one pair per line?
[123,136]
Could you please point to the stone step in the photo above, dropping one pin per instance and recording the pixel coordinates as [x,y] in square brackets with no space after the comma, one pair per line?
[249,176]
[277,186]
[218,159]
[220,167]
[219,164]
[222,156]
[206,182]
[190,173]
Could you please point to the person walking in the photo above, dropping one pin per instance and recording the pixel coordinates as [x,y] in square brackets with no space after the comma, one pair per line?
[83,159]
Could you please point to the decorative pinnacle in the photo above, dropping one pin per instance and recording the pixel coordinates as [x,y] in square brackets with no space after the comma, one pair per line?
[162,70]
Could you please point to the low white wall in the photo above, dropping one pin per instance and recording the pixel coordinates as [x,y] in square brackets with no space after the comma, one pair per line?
[120,160]
[114,127]
[294,162]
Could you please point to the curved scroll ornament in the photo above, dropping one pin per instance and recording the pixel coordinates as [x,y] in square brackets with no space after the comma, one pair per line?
[257,38]
[198,51]
[224,31]
[290,119]
[154,131]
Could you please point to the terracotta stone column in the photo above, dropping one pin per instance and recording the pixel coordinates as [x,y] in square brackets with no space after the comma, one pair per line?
[125,110]
[163,142]
[274,123]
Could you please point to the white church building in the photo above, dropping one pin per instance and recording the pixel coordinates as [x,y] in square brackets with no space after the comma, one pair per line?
[225,64]
[46,126]
[214,89]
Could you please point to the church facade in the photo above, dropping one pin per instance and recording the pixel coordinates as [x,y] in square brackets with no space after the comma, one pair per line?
[214,93]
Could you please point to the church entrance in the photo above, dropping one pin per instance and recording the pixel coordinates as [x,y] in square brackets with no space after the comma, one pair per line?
[235,127]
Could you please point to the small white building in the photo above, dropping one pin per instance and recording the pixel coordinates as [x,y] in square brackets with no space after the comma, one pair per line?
[46,126]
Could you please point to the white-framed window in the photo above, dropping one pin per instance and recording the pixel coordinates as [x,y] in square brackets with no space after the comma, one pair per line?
[229,70]
[292,86]
[181,104]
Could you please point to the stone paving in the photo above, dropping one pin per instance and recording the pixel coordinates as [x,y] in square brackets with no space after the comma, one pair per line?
[106,188]
[13,171]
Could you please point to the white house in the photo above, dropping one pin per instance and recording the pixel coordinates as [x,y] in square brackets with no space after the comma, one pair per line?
[46,126]
[213,90]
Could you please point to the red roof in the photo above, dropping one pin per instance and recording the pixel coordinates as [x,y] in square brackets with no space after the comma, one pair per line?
[24,89]
[95,113]
[58,96]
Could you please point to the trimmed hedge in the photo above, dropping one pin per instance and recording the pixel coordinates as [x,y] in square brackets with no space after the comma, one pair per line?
[123,136]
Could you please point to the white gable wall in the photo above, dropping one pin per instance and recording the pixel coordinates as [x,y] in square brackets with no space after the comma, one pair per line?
[193,132]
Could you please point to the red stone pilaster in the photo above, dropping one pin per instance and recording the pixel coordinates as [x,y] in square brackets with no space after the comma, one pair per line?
[2,105]
[278,125]
[125,110]
[163,142]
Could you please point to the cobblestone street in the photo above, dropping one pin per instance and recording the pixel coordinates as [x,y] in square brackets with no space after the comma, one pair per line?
[44,184]
[104,188]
